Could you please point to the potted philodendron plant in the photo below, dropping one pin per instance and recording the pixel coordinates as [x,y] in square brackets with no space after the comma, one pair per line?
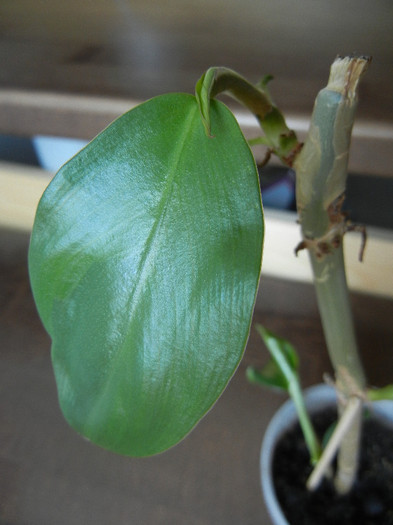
[145,259]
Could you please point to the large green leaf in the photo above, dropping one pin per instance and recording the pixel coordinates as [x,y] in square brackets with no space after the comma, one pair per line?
[144,262]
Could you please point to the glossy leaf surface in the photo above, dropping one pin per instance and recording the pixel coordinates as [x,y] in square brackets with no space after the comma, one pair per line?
[144,262]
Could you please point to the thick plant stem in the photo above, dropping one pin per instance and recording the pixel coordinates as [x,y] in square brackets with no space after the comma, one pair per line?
[336,316]
[334,305]
[346,421]
[321,169]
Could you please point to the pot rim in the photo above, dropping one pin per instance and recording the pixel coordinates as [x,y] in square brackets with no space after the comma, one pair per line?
[317,397]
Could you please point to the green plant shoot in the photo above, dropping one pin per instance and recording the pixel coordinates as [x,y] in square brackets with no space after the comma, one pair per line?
[279,139]
[281,371]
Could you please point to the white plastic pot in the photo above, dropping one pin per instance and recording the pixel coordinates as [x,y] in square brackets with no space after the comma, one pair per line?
[317,398]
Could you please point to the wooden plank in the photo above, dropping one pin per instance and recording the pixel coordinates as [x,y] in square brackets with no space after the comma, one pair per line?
[21,188]
[80,116]
[29,113]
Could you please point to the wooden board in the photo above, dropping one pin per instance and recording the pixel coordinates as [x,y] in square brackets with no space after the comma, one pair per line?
[21,188]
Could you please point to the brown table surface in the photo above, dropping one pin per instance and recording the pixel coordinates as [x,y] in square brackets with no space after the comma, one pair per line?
[49,475]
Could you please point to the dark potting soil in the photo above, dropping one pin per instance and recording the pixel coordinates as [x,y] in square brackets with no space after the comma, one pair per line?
[369,503]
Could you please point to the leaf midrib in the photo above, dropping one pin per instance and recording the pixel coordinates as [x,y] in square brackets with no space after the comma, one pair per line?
[144,268]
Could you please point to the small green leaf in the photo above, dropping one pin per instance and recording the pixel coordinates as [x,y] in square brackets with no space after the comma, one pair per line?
[203,95]
[281,350]
[281,372]
[282,366]
[379,394]
[264,82]
[144,263]
[270,376]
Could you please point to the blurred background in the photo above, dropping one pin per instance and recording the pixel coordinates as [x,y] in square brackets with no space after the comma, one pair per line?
[67,69]
[140,48]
